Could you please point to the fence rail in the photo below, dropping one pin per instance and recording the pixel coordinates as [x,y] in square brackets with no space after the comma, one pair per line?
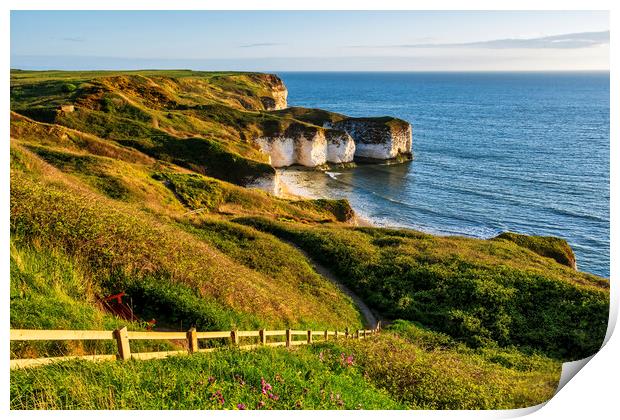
[123,337]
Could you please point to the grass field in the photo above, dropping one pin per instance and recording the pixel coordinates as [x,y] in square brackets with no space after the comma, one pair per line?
[398,369]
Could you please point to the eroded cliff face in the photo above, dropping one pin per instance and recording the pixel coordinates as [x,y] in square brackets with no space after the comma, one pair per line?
[340,146]
[307,146]
[277,93]
[377,138]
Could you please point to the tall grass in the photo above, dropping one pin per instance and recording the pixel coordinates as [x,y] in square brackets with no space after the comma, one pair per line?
[225,379]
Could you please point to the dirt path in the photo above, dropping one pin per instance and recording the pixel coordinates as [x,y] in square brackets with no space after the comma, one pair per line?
[370,320]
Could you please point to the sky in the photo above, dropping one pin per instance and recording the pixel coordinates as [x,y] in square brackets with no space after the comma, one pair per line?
[311,40]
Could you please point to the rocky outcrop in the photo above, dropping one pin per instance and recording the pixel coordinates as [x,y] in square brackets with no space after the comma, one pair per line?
[307,145]
[277,93]
[377,139]
[342,139]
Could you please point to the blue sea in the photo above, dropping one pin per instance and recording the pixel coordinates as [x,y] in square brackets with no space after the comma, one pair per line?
[524,152]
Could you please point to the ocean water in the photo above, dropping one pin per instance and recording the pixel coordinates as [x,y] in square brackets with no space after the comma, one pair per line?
[525,152]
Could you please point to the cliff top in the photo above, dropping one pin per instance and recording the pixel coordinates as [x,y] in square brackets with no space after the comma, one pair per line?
[320,117]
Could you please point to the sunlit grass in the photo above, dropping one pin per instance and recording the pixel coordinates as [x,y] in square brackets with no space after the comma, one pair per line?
[479,291]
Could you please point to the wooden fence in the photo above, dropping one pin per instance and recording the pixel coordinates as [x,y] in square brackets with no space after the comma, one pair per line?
[122,337]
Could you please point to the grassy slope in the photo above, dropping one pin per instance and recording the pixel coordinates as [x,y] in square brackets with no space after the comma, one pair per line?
[479,291]
[118,196]
[122,217]
[154,114]
[125,247]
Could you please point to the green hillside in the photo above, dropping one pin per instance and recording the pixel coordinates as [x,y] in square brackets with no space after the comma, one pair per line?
[135,182]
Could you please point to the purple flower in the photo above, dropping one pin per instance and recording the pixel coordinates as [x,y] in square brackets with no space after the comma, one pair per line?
[241,406]
[264,386]
[218,396]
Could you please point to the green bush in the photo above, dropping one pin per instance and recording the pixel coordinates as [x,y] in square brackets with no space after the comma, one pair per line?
[195,191]
[69,87]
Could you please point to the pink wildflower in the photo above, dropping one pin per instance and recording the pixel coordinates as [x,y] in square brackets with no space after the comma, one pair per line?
[218,396]
[264,386]
[241,406]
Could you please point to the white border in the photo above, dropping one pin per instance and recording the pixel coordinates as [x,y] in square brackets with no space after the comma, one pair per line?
[593,394]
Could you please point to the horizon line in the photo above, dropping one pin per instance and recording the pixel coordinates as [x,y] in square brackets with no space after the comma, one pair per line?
[318,71]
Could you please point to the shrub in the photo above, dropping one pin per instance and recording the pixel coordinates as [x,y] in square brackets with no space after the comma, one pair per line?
[547,246]
[69,87]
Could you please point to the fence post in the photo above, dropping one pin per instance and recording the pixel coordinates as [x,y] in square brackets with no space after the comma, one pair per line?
[263,337]
[379,325]
[357,334]
[346,332]
[309,336]
[326,335]
[336,335]
[288,338]
[192,340]
[364,333]
[122,342]
[234,337]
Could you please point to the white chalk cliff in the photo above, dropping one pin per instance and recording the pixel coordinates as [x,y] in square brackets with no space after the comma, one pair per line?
[313,137]
[340,146]
[363,139]
[307,147]
[377,138]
